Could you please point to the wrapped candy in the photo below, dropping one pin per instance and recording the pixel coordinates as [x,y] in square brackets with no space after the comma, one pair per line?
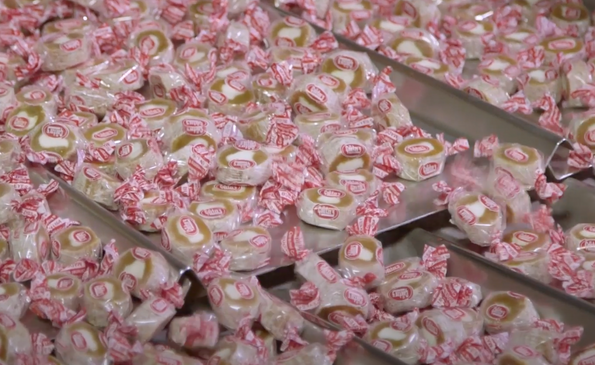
[439,329]
[549,341]
[486,88]
[267,89]
[185,235]
[10,155]
[571,16]
[469,317]
[243,196]
[74,243]
[346,150]
[310,95]
[428,66]
[229,95]
[234,350]
[344,13]
[103,133]
[521,355]
[78,25]
[471,33]
[455,292]
[361,254]
[125,75]
[150,317]
[388,111]
[243,163]
[233,299]
[156,112]
[64,50]
[562,48]
[155,43]
[314,124]
[409,290]
[581,238]
[399,338]
[14,299]
[518,39]
[62,288]
[582,129]
[279,318]
[583,355]
[477,215]
[290,32]
[29,240]
[326,208]
[506,311]
[201,330]
[220,215]
[8,197]
[576,76]
[37,96]
[16,339]
[528,240]
[397,268]
[104,296]
[81,343]
[24,119]
[197,55]
[361,183]
[538,82]
[138,152]
[412,42]
[96,185]
[420,158]
[502,67]
[250,247]
[354,68]
[522,162]
[56,141]
[507,191]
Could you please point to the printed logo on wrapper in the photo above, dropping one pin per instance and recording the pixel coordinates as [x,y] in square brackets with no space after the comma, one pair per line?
[343,319]
[327,272]
[408,9]
[71,45]
[194,126]
[316,94]
[152,112]
[497,311]
[564,44]
[355,297]
[516,154]
[125,150]
[590,136]
[354,186]
[128,280]
[525,238]
[140,253]
[55,130]
[385,106]
[68,24]
[394,267]
[147,44]
[330,127]
[19,123]
[259,241]
[525,352]
[454,313]
[216,295]
[506,184]
[466,215]
[159,91]
[78,341]
[331,193]
[188,225]
[329,80]
[293,21]
[345,63]
[431,326]
[64,283]
[429,169]
[266,81]
[418,148]
[590,360]
[35,95]
[212,213]
[247,145]
[489,203]
[383,345]
[159,305]
[104,134]
[410,275]
[227,188]
[353,250]
[352,150]
[401,293]
[91,173]
[242,164]
[476,93]
[131,77]
[235,84]
[217,97]
[569,13]
[587,245]
[244,290]
[326,211]
[6,321]
[168,359]
[188,52]
[98,290]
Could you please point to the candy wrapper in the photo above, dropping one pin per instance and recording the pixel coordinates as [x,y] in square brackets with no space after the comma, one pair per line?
[154,43]
[570,17]
[201,330]
[310,95]
[346,150]
[411,42]
[220,215]
[96,185]
[559,49]
[361,183]
[502,67]
[24,119]
[60,51]
[361,255]
[347,17]
[123,75]
[388,111]
[75,243]
[420,158]
[314,124]
[506,311]
[229,95]
[539,82]
[8,197]
[14,299]
[472,33]
[290,32]
[243,196]
[249,246]
[399,337]
[157,112]
[138,152]
[185,235]
[354,68]
[37,96]
[150,318]
[503,188]
[428,66]
[197,55]
[232,300]
[533,264]
[486,88]
[279,318]
[18,340]
[326,208]
[104,297]
[243,163]
[582,129]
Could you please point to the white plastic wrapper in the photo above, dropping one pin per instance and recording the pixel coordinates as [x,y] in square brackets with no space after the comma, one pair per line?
[277,317]
[310,95]
[470,33]
[250,247]
[522,162]
[395,269]
[267,89]
[361,183]
[29,241]
[65,289]
[232,300]
[409,290]
[521,355]
[233,351]
[346,306]
[529,240]
[138,152]
[354,68]
[156,112]
[185,235]
[122,76]
[16,339]
[361,256]
[103,133]
[477,215]
[314,269]
[37,96]
[508,192]
[163,79]
[8,195]
[156,43]
[245,197]
[569,15]
[220,215]
[314,353]
[24,119]
[314,124]
[243,163]
[420,158]
[346,150]
[581,238]
[582,129]
[7,96]
[541,340]
[142,269]
[94,99]
[74,243]
[10,151]
[428,66]
[150,317]
[488,89]
[81,343]
[415,42]
[79,25]
[96,185]
[199,331]
[538,82]
[60,51]
[102,296]
[505,311]
[14,299]
[469,317]
[388,111]
[56,140]
[343,12]
[290,32]
[437,328]
[229,95]
[503,68]
[4,249]
[576,75]
[519,38]
[399,340]
[198,55]
[326,208]
[562,47]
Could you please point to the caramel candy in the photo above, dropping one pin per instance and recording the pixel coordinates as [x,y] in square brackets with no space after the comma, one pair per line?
[345,11]
[151,317]
[503,68]
[470,33]
[420,13]
[97,185]
[577,74]
[310,95]
[142,269]
[102,296]
[14,299]
[346,306]
[361,183]
[255,125]
[250,248]
[23,119]
[64,50]
[57,140]
[488,89]
[388,111]
[361,256]
[437,328]
[420,158]
[326,208]
[137,152]
[540,340]
[185,235]
[267,89]
[338,85]
[346,150]
[313,124]
[163,79]
[156,43]
[231,350]
[232,300]
[582,129]
[8,65]
[243,163]
[508,192]
[354,68]
[469,317]
[317,271]
[79,25]
[15,339]
[103,133]
[200,12]
[29,241]
[522,162]
[568,47]
[201,330]
[4,249]
[395,269]
[229,95]
[220,215]
[94,99]
[277,317]
[398,339]
[505,311]
[529,240]
[156,112]
[81,343]
[65,289]
[522,355]
[518,39]
[478,216]
[290,32]
[239,71]
[10,152]
[198,56]
[292,55]
[571,15]
[7,96]
[243,196]
[123,76]
[74,243]
[390,25]
[581,238]
[583,357]
[541,81]
[415,42]
[8,195]
[409,290]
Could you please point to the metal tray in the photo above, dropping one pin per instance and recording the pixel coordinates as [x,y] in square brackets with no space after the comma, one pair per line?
[548,301]
[438,105]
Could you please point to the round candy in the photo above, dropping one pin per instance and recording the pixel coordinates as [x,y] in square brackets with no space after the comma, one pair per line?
[326,208]
[185,235]
[388,111]
[121,76]
[361,183]
[75,243]
[14,299]
[142,269]
[103,133]
[522,162]
[156,112]
[562,47]
[64,50]
[137,152]
[23,119]
[97,185]
[56,140]
[345,150]
[571,15]
[398,339]
[538,82]
[15,339]
[250,248]
[243,163]
[471,33]
[229,95]
[415,42]
[409,290]
[150,317]
[220,215]
[420,158]
[478,216]
[353,68]
[290,32]
[505,311]
[197,55]
[361,256]
[314,124]
[102,296]
[81,343]
[528,240]
[37,95]
[232,300]
[65,289]
[156,43]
